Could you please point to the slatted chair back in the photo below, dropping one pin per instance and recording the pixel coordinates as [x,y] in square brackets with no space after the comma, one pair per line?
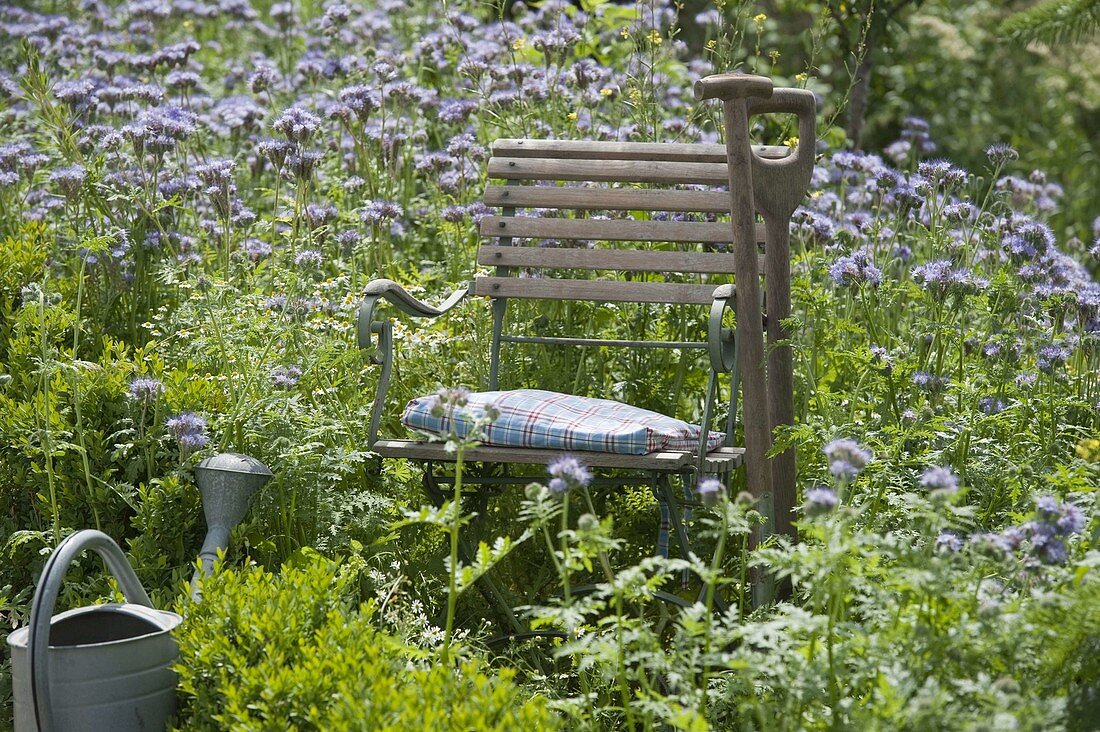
[630,223]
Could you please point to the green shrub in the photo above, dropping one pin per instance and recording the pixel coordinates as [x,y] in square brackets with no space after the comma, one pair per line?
[294,651]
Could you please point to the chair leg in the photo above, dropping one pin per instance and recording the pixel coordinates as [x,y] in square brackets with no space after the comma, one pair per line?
[670,503]
[486,585]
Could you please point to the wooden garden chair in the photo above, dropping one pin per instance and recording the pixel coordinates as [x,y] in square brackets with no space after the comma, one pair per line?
[559,175]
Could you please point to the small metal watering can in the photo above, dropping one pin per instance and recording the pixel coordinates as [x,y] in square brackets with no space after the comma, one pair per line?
[104,667]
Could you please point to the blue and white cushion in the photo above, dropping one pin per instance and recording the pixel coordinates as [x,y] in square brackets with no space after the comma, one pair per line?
[546,419]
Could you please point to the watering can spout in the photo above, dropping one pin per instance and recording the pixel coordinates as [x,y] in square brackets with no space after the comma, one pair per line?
[226,482]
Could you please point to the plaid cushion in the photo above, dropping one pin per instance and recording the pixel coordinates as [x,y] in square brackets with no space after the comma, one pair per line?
[546,419]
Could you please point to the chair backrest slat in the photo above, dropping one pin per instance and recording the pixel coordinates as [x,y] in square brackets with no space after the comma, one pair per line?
[623,171]
[606,259]
[599,150]
[611,230]
[673,293]
[584,198]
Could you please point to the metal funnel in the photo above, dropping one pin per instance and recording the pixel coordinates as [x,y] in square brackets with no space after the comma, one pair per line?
[226,482]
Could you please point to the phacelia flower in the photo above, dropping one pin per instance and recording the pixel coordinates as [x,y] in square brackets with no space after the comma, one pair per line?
[69,180]
[846,458]
[857,269]
[286,377]
[708,490]
[189,429]
[1000,153]
[819,500]
[939,480]
[145,389]
[297,124]
[949,542]
[567,473]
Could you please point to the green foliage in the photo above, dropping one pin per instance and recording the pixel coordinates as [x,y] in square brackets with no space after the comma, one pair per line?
[295,651]
[1055,21]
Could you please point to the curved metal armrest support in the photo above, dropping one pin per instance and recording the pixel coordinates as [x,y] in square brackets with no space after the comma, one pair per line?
[722,341]
[724,358]
[400,298]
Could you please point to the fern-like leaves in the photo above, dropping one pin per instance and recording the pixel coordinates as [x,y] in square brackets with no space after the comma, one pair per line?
[1055,22]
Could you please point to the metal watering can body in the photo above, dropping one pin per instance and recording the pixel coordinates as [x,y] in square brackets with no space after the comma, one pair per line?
[104,667]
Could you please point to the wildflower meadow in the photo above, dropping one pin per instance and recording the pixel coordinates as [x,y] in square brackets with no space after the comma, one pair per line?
[194,194]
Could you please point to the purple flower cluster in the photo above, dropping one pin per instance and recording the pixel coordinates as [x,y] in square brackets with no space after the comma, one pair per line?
[286,377]
[189,429]
[942,279]
[820,500]
[145,389]
[1043,538]
[938,480]
[846,458]
[856,269]
[567,473]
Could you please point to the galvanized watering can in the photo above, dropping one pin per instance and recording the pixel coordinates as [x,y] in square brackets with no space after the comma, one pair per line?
[104,667]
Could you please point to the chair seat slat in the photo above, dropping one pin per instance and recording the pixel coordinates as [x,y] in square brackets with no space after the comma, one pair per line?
[607,259]
[718,460]
[612,230]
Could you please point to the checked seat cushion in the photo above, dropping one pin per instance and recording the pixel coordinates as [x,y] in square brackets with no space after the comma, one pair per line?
[547,419]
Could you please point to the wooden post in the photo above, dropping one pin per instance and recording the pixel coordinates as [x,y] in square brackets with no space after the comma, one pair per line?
[734,90]
[778,188]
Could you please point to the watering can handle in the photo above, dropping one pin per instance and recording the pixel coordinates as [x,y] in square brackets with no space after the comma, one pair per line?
[45,598]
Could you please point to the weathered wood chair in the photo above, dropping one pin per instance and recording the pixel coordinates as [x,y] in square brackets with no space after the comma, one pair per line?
[769,181]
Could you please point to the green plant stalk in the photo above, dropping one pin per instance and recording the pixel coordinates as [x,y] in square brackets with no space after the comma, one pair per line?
[563,536]
[76,398]
[712,584]
[452,578]
[47,441]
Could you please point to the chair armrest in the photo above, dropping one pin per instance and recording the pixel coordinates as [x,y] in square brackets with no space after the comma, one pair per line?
[401,299]
[722,341]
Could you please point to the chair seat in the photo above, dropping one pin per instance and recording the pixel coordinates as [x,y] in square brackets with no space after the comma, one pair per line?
[720,460]
[548,420]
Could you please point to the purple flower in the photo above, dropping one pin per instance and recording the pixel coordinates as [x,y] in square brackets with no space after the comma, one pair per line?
[189,429]
[949,542]
[145,389]
[856,269]
[256,249]
[297,124]
[939,481]
[216,172]
[308,258]
[708,490]
[927,381]
[361,100]
[1071,520]
[69,180]
[992,405]
[846,458]
[819,500]
[376,212]
[568,472]
[263,78]
[1052,356]
[959,212]
[286,377]
[1000,153]
[449,399]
